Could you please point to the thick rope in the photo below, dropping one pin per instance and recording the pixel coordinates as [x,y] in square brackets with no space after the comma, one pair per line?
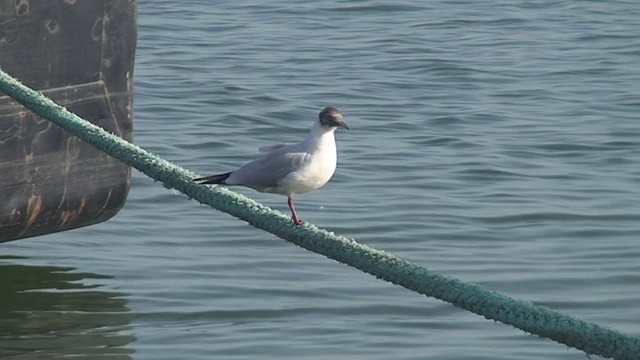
[588,337]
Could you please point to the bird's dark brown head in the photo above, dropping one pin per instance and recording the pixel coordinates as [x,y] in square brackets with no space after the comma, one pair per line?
[331,117]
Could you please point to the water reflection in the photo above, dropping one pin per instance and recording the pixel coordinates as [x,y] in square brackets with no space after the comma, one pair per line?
[51,312]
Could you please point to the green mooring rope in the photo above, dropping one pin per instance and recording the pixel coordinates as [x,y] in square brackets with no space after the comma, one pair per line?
[588,337]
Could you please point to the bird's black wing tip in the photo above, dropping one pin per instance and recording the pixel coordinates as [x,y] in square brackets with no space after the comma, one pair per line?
[213,179]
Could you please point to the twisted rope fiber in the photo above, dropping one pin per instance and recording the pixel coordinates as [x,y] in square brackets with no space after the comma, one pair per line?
[588,337]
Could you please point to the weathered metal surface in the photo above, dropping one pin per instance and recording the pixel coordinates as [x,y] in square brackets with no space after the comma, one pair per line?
[80,53]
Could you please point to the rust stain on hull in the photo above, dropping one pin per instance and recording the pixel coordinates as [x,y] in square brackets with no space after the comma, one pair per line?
[69,216]
[34,206]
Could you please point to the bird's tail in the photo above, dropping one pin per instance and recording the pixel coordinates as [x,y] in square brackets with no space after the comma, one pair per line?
[213,179]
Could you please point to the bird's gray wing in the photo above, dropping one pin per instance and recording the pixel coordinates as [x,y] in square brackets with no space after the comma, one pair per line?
[267,171]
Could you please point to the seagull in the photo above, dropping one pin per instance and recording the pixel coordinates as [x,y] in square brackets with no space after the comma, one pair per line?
[289,169]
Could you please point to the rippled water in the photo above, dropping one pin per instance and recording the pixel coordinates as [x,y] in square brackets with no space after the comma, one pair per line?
[493,142]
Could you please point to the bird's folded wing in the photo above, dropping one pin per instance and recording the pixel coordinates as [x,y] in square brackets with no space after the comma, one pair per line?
[269,170]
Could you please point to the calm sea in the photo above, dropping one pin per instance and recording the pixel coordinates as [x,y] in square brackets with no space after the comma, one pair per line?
[493,141]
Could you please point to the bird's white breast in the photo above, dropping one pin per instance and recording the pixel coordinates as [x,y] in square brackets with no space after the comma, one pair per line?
[315,172]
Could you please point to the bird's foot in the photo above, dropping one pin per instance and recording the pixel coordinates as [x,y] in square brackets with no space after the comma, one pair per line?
[297,221]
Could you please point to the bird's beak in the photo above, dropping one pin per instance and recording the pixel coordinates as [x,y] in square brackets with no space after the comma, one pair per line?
[342,124]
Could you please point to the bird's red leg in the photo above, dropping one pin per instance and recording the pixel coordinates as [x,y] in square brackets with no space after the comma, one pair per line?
[294,216]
